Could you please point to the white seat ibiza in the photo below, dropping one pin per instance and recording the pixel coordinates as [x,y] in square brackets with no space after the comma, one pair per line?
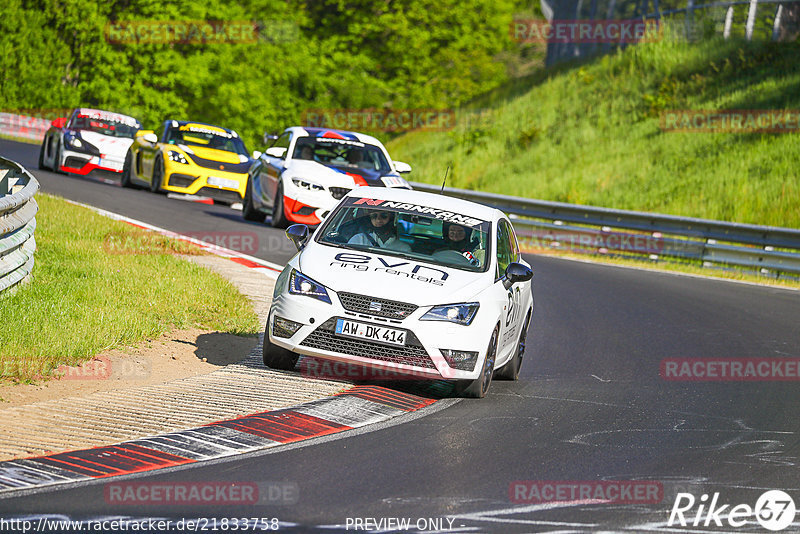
[420,284]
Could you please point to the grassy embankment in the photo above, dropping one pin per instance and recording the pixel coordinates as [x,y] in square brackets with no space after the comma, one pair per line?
[100,284]
[590,134]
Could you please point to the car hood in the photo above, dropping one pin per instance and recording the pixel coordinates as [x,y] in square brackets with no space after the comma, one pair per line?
[212,154]
[106,144]
[389,277]
[336,174]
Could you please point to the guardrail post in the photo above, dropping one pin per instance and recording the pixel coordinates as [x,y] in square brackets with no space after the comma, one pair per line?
[728,22]
[776,26]
[751,20]
[689,19]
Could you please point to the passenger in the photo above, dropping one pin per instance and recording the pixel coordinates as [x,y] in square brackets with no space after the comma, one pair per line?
[380,232]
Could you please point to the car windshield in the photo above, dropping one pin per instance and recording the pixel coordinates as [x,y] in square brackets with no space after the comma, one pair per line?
[112,125]
[409,230]
[343,153]
[209,137]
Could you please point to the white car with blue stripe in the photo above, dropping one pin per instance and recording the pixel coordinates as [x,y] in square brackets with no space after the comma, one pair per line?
[306,171]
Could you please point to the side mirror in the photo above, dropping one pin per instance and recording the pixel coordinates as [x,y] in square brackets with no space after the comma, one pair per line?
[256,154]
[298,234]
[401,167]
[276,152]
[516,272]
[59,122]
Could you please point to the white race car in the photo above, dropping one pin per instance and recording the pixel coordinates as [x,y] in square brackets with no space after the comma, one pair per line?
[90,140]
[406,281]
[306,171]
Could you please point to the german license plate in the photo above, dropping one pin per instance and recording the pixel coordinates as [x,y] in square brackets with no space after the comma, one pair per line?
[110,164]
[371,332]
[223,182]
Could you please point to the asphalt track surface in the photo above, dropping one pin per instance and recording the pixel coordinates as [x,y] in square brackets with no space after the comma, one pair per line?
[590,405]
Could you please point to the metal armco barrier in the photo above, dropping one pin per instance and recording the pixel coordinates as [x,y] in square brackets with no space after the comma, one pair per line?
[17,224]
[542,224]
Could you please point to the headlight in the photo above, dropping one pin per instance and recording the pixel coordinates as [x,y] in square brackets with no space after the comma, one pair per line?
[74,140]
[177,157]
[299,284]
[305,184]
[454,313]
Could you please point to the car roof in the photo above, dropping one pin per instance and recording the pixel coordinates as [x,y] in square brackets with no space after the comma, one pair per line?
[431,200]
[303,131]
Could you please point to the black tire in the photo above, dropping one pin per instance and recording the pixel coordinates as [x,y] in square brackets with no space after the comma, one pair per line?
[158,175]
[278,215]
[125,180]
[57,161]
[476,389]
[276,357]
[41,155]
[510,371]
[249,212]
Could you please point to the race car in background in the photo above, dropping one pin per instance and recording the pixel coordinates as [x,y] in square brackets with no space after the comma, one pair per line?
[192,158]
[306,171]
[407,282]
[86,141]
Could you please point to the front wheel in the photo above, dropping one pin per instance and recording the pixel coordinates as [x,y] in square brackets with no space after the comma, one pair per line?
[249,212]
[41,155]
[57,161]
[510,371]
[276,357]
[158,175]
[278,213]
[477,388]
[125,181]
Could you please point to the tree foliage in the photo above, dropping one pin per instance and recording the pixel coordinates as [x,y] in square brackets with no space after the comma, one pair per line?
[309,54]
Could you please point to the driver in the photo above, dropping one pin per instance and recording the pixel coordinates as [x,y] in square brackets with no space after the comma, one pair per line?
[380,232]
[457,237]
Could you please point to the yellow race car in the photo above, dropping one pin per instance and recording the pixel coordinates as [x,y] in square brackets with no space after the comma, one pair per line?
[190,158]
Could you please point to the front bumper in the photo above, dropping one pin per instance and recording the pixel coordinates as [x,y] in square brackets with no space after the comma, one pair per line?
[420,356]
[195,180]
[82,163]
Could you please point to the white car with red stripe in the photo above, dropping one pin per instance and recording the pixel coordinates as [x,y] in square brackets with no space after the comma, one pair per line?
[89,140]
[306,171]
[409,283]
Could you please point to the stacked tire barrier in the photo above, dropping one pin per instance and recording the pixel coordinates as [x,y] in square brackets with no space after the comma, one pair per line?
[17,224]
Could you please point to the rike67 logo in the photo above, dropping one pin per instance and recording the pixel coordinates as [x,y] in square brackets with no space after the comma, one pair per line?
[774,510]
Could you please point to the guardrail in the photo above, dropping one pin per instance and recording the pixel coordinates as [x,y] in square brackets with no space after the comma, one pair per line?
[546,225]
[17,223]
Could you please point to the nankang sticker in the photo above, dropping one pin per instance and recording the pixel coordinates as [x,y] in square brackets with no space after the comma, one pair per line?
[194,128]
[108,117]
[444,215]
[334,140]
